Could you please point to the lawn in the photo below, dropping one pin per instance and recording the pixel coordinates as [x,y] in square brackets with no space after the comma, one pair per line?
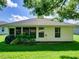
[40,51]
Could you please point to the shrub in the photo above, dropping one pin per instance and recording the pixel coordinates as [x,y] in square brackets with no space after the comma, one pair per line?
[15,41]
[9,38]
[25,38]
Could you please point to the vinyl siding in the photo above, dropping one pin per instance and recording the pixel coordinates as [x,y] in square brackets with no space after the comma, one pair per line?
[5,32]
[66,34]
[49,33]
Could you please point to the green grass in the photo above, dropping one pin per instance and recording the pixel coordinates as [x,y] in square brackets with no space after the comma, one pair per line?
[40,51]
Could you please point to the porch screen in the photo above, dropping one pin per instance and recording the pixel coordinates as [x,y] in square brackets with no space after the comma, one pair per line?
[26,31]
[31,31]
[18,30]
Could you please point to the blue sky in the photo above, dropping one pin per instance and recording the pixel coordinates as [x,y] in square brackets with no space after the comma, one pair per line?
[15,12]
[19,10]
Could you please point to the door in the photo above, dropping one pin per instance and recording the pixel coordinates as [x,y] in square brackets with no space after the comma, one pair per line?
[11,31]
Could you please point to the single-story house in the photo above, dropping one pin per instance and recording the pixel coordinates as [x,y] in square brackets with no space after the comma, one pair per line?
[44,30]
[76,29]
[76,23]
[3,29]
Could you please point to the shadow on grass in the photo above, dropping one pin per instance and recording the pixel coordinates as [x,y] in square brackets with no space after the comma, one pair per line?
[74,46]
[68,57]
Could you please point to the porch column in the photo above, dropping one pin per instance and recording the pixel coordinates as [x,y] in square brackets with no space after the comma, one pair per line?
[29,31]
[15,31]
[22,30]
[36,32]
[7,31]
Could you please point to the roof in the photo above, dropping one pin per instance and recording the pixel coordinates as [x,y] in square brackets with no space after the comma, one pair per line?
[77,24]
[37,22]
[2,22]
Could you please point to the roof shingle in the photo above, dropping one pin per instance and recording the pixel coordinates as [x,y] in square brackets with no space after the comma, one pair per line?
[37,22]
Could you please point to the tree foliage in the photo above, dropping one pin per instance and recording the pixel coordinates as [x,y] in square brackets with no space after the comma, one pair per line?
[64,8]
[3,3]
[69,11]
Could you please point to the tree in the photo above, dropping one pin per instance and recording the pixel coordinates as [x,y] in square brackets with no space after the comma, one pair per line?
[66,9]
[2,3]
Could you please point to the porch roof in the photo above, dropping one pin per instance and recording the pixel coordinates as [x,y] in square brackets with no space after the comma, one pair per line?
[36,22]
[2,22]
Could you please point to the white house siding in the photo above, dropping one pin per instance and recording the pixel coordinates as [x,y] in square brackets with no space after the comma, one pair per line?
[66,34]
[5,32]
[49,33]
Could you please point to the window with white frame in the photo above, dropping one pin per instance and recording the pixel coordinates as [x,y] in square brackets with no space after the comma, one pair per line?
[41,32]
[57,32]
[41,28]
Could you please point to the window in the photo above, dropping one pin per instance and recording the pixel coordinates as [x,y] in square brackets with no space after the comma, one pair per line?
[57,32]
[41,34]
[2,29]
[41,28]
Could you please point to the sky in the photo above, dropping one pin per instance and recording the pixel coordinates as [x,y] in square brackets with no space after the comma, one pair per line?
[15,11]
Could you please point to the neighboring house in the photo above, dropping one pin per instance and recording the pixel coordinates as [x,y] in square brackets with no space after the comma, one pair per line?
[76,23]
[76,29]
[44,29]
[2,29]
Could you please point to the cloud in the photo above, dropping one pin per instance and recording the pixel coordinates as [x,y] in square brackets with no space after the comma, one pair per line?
[77,8]
[71,21]
[52,16]
[11,4]
[49,17]
[18,18]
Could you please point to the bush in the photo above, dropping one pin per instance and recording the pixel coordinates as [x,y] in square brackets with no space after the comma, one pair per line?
[21,38]
[25,38]
[9,38]
[15,41]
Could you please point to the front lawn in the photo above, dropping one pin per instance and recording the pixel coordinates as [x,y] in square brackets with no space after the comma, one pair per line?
[40,51]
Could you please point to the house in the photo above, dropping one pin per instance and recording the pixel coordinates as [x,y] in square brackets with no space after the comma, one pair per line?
[76,29]
[2,29]
[44,30]
[76,23]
